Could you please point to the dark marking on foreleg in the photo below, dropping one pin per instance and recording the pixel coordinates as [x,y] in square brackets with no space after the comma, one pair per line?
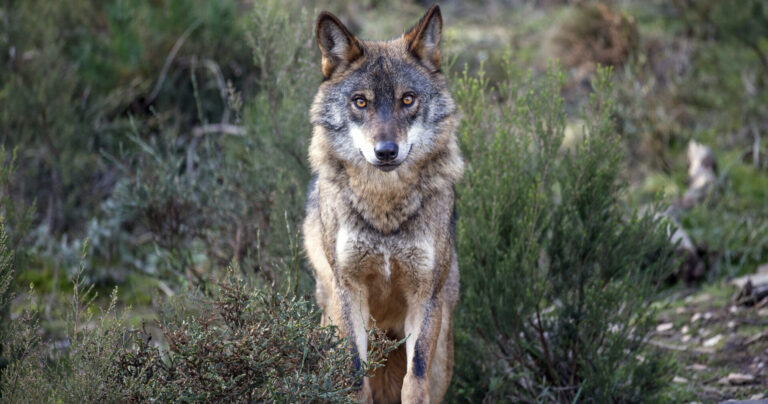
[356,363]
[419,367]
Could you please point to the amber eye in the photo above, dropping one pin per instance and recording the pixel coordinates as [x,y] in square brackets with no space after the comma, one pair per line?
[360,102]
[408,99]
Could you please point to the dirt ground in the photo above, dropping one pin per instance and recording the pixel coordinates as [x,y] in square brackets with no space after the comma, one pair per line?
[722,347]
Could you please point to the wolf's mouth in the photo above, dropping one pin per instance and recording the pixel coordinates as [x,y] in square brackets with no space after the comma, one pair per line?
[387,167]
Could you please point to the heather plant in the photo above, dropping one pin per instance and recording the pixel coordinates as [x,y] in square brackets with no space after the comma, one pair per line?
[6,294]
[248,345]
[238,344]
[79,368]
[15,222]
[557,273]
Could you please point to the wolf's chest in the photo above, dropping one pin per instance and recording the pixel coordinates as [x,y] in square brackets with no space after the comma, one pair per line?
[370,254]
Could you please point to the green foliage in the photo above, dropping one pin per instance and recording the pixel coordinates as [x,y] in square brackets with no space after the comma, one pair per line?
[6,294]
[704,79]
[73,72]
[135,135]
[79,368]
[557,273]
[240,345]
[227,189]
[736,242]
[250,347]
[15,222]
[16,217]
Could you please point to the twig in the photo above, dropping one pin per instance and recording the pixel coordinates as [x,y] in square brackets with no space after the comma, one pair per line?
[756,147]
[756,338]
[216,72]
[224,128]
[169,60]
[681,348]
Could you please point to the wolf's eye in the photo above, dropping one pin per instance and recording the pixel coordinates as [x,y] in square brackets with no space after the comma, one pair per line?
[408,99]
[360,102]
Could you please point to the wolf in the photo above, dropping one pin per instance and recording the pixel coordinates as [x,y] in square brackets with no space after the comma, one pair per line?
[380,225]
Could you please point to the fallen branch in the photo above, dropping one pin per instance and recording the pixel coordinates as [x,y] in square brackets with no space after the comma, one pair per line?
[169,60]
[223,128]
[702,176]
[756,338]
[752,293]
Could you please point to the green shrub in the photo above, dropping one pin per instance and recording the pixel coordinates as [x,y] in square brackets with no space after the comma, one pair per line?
[240,345]
[15,222]
[6,281]
[252,347]
[557,273]
[78,368]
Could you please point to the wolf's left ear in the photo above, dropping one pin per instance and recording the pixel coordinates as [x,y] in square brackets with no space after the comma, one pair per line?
[423,39]
[337,44]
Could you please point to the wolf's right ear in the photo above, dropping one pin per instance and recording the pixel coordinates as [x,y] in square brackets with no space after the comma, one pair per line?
[337,45]
[423,39]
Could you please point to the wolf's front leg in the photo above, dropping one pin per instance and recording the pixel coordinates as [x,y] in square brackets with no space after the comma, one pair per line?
[350,314]
[422,327]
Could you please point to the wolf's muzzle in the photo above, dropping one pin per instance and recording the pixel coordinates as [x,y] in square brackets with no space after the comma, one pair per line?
[385,151]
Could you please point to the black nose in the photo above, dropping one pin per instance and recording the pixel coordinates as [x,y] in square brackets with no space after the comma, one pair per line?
[385,151]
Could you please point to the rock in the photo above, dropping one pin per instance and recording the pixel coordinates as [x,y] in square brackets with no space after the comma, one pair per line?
[756,337]
[685,329]
[698,367]
[738,379]
[664,327]
[702,298]
[713,341]
[754,291]
[679,379]
[696,317]
[757,279]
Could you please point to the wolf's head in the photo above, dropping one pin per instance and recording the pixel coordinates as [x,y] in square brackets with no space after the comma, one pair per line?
[382,103]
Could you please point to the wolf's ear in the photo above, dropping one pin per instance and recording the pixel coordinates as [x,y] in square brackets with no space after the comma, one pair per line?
[337,45]
[423,39]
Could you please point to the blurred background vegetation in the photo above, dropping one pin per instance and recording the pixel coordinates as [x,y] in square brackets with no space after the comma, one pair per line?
[172,136]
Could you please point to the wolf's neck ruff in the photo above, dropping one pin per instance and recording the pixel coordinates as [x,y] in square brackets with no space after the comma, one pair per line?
[386,200]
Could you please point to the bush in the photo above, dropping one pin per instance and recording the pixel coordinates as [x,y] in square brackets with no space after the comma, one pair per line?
[253,347]
[15,222]
[241,345]
[557,273]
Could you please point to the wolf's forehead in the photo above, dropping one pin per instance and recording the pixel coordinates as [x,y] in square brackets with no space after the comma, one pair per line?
[385,75]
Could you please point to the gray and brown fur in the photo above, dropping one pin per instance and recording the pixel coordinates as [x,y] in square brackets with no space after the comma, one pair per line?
[379,226]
